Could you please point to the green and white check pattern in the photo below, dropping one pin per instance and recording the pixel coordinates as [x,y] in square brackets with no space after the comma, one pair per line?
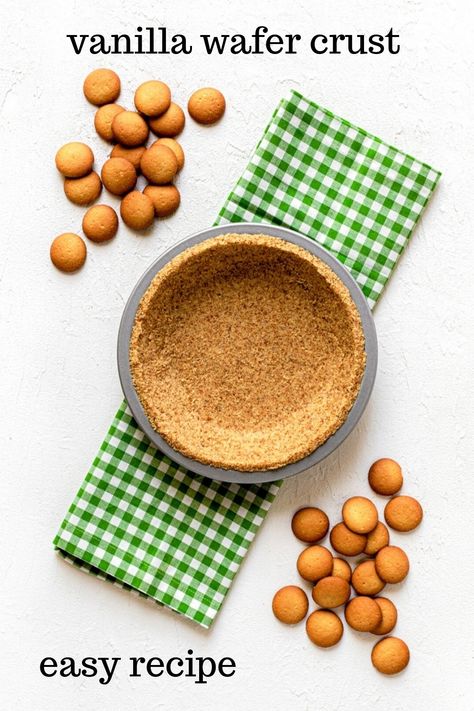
[320,175]
[146,524]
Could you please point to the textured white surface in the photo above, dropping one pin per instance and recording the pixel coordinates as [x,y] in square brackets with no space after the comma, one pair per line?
[60,386]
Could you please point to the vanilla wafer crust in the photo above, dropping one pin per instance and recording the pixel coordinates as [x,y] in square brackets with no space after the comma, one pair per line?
[247,352]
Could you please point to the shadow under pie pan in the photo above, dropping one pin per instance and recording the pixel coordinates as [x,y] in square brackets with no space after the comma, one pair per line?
[247,353]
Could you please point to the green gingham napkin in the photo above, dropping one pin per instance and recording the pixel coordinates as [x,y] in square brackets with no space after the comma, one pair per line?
[148,525]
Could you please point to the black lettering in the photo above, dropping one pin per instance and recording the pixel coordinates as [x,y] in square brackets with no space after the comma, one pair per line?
[239,45]
[109,670]
[324,40]
[291,40]
[277,40]
[151,33]
[98,45]
[257,36]
[376,44]
[46,663]
[390,36]
[226,662]
[179,663]
[117,39]
[135,662]
[68,667]
[89,665]
[335,40]
[190,672]
[163,32]
[73,38]
[211,44]
[139,39]
[202,676]
[361,49]
[179,45]
[152,663]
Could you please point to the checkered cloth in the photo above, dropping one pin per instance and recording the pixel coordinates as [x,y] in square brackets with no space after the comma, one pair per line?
[148,525]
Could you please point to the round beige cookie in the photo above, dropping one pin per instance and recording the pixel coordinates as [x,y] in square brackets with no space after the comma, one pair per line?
[314,562]
[290,604]
[103,120]
[100,223]
[359,514]
[341,569]
[175,147]
[206,105]
[165,199]
[390,656]
[365,579]
[134,155]
[363,614]
[392,564]
[83,191]
[377,539]
[74,160]
[137,210]
[324,628]
[389,616]
[159,165]
[385,477]
[403,513]
[102,86]
[331,592]
[130,129]
[68,252]
[118,175]
[345,541]
[310,524]
[152,98]
[169,124]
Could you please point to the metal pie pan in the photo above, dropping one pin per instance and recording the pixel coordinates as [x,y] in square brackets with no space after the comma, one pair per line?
[232,475]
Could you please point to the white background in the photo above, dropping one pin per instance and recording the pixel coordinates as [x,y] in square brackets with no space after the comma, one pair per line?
[60,387]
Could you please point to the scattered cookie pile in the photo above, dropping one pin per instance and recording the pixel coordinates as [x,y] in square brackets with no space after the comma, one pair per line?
[159,163]
[360,532]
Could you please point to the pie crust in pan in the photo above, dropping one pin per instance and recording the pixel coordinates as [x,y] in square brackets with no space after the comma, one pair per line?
[247,352]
